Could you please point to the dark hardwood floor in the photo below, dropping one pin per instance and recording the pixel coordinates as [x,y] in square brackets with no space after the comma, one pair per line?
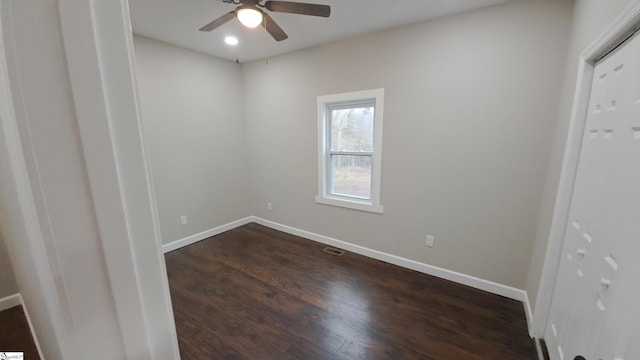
[256,293]
[15,334]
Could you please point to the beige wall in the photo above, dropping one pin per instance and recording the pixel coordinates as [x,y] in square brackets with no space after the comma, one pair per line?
[192,112]
[590,18]
[470,109]
[8,284]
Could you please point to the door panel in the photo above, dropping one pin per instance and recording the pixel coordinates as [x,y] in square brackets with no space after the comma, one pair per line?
[594,311]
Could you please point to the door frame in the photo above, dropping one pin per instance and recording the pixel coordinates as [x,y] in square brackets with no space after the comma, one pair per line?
[617,32]
[98,43]
[98,46]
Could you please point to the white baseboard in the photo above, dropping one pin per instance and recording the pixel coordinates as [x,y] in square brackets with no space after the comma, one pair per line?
[539,349]
[472,281]
[486,285]
[33,331]
[529,313]
[205,234]
[10,301]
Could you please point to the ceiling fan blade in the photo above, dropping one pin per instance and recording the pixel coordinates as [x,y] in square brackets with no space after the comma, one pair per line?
[273,28]
[298,8]
[219,21]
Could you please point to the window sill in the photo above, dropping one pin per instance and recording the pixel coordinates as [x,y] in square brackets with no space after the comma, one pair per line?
[350,204]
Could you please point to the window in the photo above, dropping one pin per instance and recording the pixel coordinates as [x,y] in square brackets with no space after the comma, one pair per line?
[349,149]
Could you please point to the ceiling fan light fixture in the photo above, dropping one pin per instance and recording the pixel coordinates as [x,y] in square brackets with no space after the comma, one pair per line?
[249,16]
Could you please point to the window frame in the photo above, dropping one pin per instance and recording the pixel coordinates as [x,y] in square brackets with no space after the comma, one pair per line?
[325,168]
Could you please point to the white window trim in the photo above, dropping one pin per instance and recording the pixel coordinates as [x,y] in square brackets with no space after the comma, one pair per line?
[324,196]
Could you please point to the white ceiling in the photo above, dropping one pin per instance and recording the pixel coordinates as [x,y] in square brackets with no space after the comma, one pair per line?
[177,22]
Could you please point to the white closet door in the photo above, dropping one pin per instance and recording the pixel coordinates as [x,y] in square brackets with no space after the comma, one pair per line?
[595,311]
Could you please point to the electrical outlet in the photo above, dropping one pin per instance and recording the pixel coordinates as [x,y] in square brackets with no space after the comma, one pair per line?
[183,220]
[269,206]
[429,240]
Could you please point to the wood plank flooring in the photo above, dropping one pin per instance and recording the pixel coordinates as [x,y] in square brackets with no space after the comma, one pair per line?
[256,293]
[15,334]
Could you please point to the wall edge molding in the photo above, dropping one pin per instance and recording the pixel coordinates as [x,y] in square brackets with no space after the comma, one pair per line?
[624,24]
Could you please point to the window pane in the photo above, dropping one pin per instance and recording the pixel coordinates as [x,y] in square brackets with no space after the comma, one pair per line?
[351,175]
[352,129]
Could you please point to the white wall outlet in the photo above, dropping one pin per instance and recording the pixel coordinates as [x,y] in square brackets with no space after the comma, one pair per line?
[429,240]
[269,206]
[183,220]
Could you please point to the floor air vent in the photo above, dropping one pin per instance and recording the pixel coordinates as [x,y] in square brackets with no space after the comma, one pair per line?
[333,251]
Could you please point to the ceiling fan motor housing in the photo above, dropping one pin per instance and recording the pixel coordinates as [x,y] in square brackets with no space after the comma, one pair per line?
[250,14]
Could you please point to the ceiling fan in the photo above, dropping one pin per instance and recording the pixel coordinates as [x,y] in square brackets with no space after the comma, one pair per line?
[250,14]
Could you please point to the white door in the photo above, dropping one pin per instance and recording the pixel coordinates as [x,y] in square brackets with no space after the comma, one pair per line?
[595,310]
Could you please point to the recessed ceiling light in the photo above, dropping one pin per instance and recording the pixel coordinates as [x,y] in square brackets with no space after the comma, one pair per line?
[231,40]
